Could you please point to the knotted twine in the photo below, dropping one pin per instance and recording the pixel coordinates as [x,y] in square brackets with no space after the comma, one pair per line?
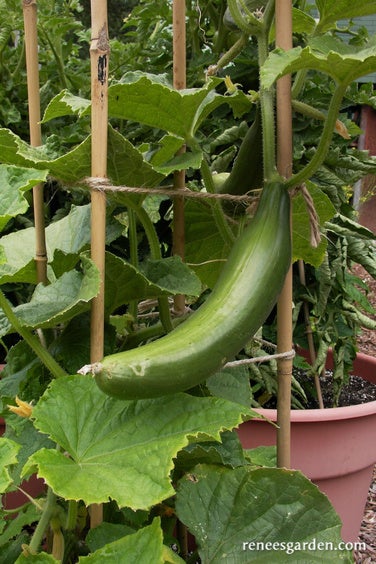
[104,185]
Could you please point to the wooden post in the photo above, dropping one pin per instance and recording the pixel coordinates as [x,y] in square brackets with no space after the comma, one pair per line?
[283,19]
[99,57]
[179,79]
[32,68]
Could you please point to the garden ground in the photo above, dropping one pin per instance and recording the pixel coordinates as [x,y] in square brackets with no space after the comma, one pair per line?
[367,344]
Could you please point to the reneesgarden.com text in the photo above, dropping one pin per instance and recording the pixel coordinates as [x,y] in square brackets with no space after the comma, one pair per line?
[296,546]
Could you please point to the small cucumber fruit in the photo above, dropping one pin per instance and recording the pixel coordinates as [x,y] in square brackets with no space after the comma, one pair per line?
[247,170]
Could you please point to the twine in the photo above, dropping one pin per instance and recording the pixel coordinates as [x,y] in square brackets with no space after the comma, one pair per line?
[314,220]
[103,185]
[288,355]
[96,367]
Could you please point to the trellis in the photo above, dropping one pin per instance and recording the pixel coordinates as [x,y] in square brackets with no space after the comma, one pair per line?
[99,56]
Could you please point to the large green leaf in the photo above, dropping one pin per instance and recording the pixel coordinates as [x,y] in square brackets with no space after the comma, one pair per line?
[72,347]
[69,167]
[66,104]
[29,440]
[302,248]
[229,452]
[172,275]
[165,159]
[14,182]
[231,383]
[70,235]
[125,283]
[21,364]
[228,510]
[205,249]
[325,55]
[61,300]
[15,527]
[143,547]
[126,164]
[120,450]
[8,457]
[146,100]
[331,12]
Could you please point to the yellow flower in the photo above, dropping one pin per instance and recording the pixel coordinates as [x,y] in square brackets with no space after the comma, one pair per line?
[23,409]
[231,87]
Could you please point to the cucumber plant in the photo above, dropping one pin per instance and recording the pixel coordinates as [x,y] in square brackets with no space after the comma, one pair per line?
[147,459]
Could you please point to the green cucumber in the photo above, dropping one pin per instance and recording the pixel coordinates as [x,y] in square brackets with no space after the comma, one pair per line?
[245,15]
[247,170]
[243,297]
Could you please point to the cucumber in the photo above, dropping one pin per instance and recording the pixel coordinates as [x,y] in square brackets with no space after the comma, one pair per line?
[251,5]
[247,170]
[242,299]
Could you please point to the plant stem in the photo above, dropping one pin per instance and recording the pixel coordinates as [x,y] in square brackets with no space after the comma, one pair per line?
[20,64]
[155,251]
[40,529]
[219,217]
[219,43]
[231,54]
[246,21]
[132,235]
[58,60]
[267,115]
[298,83]
[150,332]
[311,344]
[72,515]
[34,343]
[325,140]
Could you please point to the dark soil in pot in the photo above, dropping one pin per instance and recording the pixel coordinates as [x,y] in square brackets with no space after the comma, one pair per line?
[355,392]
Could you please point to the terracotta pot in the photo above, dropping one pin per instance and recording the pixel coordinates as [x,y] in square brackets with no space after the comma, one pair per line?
[33,486]
[335,448]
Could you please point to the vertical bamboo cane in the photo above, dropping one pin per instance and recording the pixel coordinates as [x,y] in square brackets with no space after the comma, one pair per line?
[32,68]
[283,17]
[178,236]
[179,78]
[99,57]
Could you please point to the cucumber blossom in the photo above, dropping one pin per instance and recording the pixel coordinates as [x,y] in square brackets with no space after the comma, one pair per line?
[243,297]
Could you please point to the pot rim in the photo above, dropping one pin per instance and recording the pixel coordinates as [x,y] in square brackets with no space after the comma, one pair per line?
[329,413]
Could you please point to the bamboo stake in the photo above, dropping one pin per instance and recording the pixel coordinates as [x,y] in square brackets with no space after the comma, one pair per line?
[179,80]
[32,68]
[283,17]
[178,233]
[99,57]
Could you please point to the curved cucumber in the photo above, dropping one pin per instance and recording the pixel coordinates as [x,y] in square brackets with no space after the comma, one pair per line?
[247,170]
[243,297]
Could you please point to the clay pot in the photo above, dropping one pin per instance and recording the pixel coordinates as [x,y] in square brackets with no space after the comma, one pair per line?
[335,448]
